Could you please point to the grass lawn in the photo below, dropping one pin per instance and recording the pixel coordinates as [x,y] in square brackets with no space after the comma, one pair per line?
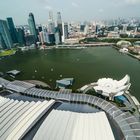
[7,52]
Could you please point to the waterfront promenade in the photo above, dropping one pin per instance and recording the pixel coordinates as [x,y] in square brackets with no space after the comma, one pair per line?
[130,54]
[87,45]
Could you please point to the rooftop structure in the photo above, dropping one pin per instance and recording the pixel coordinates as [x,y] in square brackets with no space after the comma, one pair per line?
[68,125]
[18,117]
[57,120]
[19,86]
[63,83]
[13,72]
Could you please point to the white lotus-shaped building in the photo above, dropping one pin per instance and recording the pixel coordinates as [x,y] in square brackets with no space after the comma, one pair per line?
[108,87]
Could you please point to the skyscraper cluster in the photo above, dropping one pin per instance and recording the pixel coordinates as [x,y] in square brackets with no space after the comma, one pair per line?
[49,34]
[53,33]
[10,35]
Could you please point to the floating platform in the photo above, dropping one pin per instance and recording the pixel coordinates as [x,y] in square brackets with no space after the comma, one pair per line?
[13,72]
[63,83]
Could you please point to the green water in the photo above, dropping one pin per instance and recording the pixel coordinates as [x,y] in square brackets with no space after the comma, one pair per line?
[85,66]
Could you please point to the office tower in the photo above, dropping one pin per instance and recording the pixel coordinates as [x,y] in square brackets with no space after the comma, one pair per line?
[86,30]
[59,25]
[21,36]
[124,28]
[57,36]
[51,39]
[41,39]
[66,32]
[2,43]
[12,29]
[51,24]
[32,26]
[30,39]
[82,28]
[45,34]
[40,29]
[97,29]
[51,27]
[5,35]
[51,15]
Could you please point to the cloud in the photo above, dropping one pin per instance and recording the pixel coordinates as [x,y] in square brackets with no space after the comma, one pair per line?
[101,10]
[74,4]
[48,7]
[134,2]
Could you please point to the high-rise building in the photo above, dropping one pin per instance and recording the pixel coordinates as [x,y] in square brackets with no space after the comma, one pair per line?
[51,39]
[21,36]
[2,43]
[32,26]
[41,38]
[40,29]
[66,31]
[59,25]
[12,29]
[82,27]
[51,15]
[5,35]
[45,34]
[57,36]
[51,24]
[51,27]
[30,40]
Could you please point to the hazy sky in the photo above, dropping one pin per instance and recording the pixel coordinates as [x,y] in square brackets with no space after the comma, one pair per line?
[71,10]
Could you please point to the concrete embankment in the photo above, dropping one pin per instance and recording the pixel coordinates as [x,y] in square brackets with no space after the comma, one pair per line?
[87,45]
[130,54]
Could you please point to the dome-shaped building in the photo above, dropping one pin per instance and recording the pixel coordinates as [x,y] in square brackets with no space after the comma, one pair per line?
[124,43]
[137,44]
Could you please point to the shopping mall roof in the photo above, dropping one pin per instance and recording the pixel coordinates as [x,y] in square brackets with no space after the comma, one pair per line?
[18,117]
[67,125]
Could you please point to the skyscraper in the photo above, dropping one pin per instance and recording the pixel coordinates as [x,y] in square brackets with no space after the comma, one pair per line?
[45,34]
[2,43]
[5,35]
[21,36]
[66,33]
[51,24]
[59,25]
[51,15]
[51,27]
[12,29]
[57,36]
[32,25]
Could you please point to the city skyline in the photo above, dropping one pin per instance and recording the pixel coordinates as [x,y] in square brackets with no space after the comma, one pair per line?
[71,10]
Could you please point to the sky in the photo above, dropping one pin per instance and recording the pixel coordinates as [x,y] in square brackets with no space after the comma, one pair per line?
[71,10]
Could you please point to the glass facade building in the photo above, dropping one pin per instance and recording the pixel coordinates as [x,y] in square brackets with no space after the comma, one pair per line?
[32,25]
[5,35]
[66,32]
[59,25]
[21,37]
[12,29]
